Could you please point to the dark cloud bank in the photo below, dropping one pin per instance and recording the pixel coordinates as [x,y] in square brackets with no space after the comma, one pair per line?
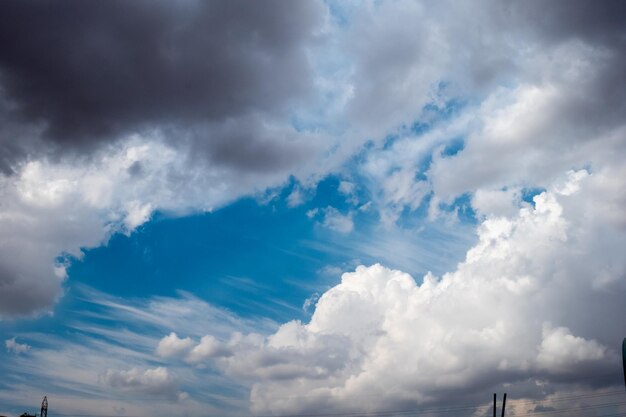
[89,72]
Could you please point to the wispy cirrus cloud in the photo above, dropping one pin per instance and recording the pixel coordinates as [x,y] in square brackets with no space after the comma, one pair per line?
[111,356]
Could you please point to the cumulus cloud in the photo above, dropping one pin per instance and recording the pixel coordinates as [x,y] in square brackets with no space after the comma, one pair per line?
[207,347]
[523,306]
[489,202]
[172,345]
[156,381]
[13,346]
[560,351]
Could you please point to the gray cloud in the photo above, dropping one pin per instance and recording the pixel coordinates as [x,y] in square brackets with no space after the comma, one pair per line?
[563,20]
[87,73]
[158,382]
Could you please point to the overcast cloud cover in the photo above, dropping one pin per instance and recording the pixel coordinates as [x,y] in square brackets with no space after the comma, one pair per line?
[492,134]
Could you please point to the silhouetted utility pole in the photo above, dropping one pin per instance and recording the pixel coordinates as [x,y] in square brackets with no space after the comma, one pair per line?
[44,407]
[624,359]
[503,404]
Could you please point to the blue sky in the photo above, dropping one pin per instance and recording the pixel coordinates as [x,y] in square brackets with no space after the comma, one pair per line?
[311,207]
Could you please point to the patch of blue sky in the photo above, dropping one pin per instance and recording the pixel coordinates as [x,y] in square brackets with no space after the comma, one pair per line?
[461,206]
[453,147]
[323,117]
[431,116]
[425,246]
[246,257]
[338,13]
[527,194]
[434,113]
[407,245]
[327,194]
[390,140]
[239,257]
[415,218]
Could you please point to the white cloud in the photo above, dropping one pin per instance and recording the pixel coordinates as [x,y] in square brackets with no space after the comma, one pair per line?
[136,214]
[312,213]
[511,312]
[560,351]
[13,346]
[496,202]
[346,187]
[209,347]
[295,198]
[156,381]
[193,352]
[310,301]
[172,345]
[335,220]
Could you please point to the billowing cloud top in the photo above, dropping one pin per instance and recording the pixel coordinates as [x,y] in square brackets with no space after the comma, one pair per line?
[509,313]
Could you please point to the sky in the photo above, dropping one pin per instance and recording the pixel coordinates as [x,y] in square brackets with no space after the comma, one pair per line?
[230,208]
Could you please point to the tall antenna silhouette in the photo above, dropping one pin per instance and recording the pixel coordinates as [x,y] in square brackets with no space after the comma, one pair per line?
[44,407]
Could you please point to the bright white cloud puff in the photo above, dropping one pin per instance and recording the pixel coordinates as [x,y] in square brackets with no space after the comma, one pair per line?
[157,381]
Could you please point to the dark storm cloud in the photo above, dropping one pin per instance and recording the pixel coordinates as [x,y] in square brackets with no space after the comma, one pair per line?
[602,21]
[87,72]
[272,149]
